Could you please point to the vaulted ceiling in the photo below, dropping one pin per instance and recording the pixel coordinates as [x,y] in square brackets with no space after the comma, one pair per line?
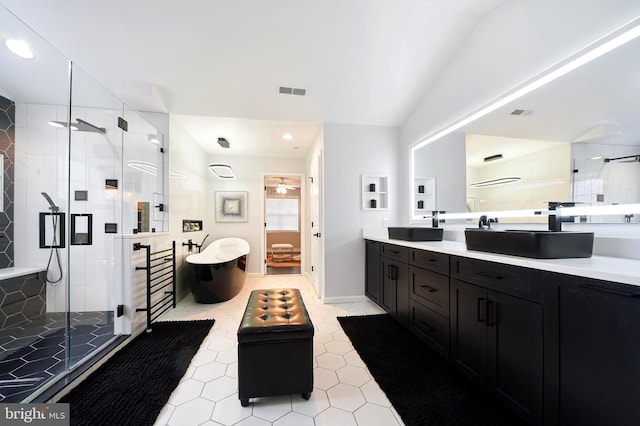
[359,61]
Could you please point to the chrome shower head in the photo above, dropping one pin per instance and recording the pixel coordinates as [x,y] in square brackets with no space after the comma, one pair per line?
[80,126]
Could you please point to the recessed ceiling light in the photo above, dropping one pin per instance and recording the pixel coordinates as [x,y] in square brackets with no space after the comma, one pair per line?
[19,47]
[287,136]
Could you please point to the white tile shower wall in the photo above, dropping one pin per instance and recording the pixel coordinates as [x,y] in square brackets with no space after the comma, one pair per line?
[612,182]
[41,166]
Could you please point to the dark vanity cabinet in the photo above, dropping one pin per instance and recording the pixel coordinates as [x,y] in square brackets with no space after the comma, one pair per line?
[429,298]
[555,349]
[599,352]
[373,284]
[497,321]
[394,296]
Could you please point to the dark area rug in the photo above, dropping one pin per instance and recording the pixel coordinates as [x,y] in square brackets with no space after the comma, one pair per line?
[423,388]
[132,386]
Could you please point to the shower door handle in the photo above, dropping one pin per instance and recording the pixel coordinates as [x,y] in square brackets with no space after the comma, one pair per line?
[317,234]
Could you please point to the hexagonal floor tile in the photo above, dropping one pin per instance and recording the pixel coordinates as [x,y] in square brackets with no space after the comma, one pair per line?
[334,416]
[220,388]
[355,376]
[346,397]
[331,361]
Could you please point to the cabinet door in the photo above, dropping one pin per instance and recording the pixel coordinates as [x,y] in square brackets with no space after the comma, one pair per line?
[388,294]
[402,294]
[469,329]
[599,354]
[372,271]
[395,289]
[515,333]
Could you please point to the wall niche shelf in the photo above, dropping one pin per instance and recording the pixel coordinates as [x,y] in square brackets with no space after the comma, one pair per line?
[374,190]
[424,190]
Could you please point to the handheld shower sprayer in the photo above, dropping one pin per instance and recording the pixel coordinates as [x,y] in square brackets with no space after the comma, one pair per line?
[54,251]
[52,206]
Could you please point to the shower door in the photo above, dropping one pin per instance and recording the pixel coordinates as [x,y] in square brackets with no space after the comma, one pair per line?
[94,215]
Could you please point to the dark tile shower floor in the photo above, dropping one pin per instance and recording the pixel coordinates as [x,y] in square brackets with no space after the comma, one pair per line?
[33,351]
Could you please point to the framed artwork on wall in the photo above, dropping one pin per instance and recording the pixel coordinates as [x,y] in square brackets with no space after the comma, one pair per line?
[231,206]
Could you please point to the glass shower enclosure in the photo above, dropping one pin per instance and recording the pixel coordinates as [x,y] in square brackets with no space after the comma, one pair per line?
[80,168]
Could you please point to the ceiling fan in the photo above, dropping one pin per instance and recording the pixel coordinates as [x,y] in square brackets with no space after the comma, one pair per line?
[282,187]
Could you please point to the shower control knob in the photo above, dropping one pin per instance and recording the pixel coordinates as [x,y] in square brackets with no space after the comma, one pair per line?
[317,234]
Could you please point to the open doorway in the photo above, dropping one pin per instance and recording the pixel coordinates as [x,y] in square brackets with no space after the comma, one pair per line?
[283,224]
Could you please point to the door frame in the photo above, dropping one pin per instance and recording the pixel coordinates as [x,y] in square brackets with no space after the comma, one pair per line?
[303,207]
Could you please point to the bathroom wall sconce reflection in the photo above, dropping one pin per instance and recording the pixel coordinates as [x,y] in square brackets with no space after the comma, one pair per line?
[222,171]
[143,166]
[496,182]
[231,206]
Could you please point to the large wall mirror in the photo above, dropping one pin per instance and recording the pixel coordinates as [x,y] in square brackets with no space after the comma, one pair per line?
[575,139]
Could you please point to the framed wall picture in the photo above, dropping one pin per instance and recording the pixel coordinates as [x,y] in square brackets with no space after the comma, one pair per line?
[231,206]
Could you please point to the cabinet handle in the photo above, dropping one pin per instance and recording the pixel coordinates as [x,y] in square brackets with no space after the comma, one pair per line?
[429,289]
[609,291]
[393,272]
[480,307]
[490,313]
[489,275]
[427,326]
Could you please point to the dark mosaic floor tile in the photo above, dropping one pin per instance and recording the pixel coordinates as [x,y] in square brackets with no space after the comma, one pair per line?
[35,367]
[101,340]
[42,353]
[45,354]
[21,342]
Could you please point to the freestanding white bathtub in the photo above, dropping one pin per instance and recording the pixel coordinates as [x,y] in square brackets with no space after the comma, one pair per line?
[220,270]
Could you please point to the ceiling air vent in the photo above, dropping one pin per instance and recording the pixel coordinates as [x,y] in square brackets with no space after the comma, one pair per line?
[522,112]
[283,90]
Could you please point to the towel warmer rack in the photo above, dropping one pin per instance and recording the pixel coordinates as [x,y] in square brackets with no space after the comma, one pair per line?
[160,278]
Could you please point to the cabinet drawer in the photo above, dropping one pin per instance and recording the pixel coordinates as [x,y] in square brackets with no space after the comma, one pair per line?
[520,282]
[431,327]
[436,262]
[396,252]
[430,289]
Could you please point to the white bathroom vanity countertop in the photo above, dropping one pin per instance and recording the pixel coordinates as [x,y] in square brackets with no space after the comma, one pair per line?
[615,269]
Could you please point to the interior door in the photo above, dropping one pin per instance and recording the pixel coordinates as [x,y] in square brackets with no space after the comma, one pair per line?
[315,206]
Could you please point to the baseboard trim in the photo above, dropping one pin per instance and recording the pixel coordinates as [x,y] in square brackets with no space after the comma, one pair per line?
[346,299]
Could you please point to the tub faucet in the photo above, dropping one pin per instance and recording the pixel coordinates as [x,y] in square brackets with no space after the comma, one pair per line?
[484,222]
[189,244]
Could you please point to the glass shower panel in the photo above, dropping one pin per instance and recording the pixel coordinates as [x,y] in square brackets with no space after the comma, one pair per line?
[144,179]
[95,168]
[34,100]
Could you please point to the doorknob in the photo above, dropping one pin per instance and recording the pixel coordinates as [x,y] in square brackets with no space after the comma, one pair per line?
[317,234]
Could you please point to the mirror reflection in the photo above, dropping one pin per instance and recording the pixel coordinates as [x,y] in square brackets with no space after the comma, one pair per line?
[576,139]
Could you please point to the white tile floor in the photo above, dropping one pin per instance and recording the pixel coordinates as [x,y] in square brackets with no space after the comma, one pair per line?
[344,392]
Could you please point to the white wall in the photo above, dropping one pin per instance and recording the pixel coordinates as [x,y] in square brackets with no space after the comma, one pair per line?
[349,152]
[249,173]
[515,42]
[444,159]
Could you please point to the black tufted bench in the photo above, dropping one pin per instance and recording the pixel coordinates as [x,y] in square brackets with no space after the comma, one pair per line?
[275,346]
